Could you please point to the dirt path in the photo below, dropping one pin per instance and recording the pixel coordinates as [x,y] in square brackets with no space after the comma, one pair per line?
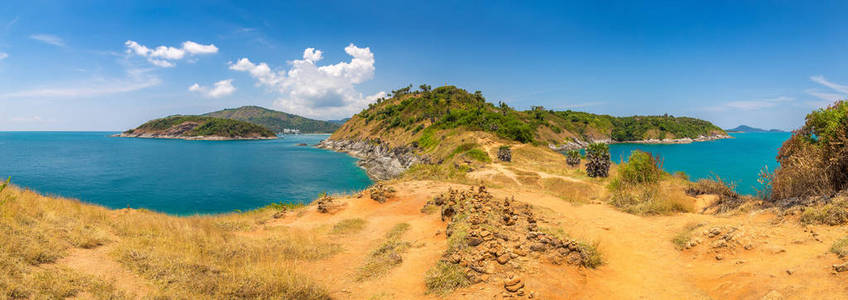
[98,263]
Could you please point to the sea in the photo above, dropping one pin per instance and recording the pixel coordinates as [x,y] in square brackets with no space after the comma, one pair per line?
[177,176]
[206,177]
[738,160]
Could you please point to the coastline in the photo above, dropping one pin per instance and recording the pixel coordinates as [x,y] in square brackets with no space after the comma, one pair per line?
[192,138]
[577,144]
[378,160]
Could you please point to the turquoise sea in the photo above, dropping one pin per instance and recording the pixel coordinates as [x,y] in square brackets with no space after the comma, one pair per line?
[176,176]
[738,160]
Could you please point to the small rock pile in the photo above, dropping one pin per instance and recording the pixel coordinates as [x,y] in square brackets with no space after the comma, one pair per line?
[504,154]
[491,237]
[722,239]
[326,204]
[381,193]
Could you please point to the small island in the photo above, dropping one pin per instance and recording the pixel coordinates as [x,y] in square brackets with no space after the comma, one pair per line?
[199,128]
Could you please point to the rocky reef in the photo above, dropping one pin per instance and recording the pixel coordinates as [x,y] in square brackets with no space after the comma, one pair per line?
[379,160]
[580,144]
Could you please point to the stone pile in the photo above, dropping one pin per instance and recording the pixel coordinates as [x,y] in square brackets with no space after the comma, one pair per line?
[381,193]
[504,154]
[326,204]
[721,239]
[490,237]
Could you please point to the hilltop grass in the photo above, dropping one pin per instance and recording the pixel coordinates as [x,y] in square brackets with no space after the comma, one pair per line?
[183,257]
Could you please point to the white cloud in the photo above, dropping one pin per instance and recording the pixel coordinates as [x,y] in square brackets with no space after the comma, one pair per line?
[840,92]
[220,89]
[317,91]
[49,39]
[750,105]
[136,80]
[164,56]
[3,55]
[195,48]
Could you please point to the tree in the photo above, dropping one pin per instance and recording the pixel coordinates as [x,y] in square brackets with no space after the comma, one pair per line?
[424,88]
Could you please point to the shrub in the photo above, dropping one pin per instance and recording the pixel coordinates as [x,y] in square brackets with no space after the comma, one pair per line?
[572,158]
[641,168]
[814,161]
[598,157]
[840,247]
[636,188]
[478,155]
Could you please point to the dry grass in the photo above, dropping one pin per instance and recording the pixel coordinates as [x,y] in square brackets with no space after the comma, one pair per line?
[728,199]
[682,238]
[184,257]
[569,190]
[349,226]
[833,213]
[385,256]
[840,247]
[444,278]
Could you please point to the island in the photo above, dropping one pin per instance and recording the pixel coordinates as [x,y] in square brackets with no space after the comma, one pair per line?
[277,121]
[746,128]
[199,128]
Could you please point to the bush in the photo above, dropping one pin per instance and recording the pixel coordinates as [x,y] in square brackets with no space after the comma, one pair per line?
[598,157]
[814,161]
[636,188]
[641,168]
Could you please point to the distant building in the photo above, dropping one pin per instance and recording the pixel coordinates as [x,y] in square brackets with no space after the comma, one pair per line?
[291,131]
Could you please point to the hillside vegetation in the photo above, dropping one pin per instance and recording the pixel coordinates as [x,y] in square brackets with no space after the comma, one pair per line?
[274,120]
[427,115]
[199,126]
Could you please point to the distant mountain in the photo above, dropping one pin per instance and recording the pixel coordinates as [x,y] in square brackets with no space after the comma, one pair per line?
[746,128]
[274,120]
[340,122]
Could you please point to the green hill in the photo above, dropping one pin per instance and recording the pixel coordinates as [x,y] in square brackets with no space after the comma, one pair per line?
[277,121]
[416,114]
[199,127]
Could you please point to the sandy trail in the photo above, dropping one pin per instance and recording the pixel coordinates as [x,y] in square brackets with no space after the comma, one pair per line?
[98,263]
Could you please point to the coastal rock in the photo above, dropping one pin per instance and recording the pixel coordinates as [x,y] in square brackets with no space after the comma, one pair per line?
[380,161]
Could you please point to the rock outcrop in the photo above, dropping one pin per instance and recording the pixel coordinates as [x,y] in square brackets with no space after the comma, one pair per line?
[379,160]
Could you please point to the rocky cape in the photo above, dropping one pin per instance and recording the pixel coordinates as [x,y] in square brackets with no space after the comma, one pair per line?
[190,138]
[380,161]
[579,144]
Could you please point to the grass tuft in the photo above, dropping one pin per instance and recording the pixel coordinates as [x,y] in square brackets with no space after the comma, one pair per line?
[349,226]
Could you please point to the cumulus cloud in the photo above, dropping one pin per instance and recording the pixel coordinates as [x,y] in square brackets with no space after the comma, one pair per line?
[3,55]
[317,91]
[48,39]
[164,56]
[219,89]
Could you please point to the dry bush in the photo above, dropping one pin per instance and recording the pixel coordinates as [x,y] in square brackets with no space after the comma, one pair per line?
[728,199]
[833,213]
[814,161]
[639,187]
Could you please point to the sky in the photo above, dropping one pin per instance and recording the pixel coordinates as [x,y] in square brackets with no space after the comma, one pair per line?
[112,65]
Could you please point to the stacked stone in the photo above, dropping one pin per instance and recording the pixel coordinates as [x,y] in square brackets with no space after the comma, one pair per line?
[325,204]
[504,154]
[497,233]
[381,193]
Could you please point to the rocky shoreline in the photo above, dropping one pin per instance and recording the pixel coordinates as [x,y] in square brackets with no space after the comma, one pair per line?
[190,138]
[579,144]
[380,161]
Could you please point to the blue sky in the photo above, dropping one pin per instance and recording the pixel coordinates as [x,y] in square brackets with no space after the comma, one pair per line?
[96,65]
